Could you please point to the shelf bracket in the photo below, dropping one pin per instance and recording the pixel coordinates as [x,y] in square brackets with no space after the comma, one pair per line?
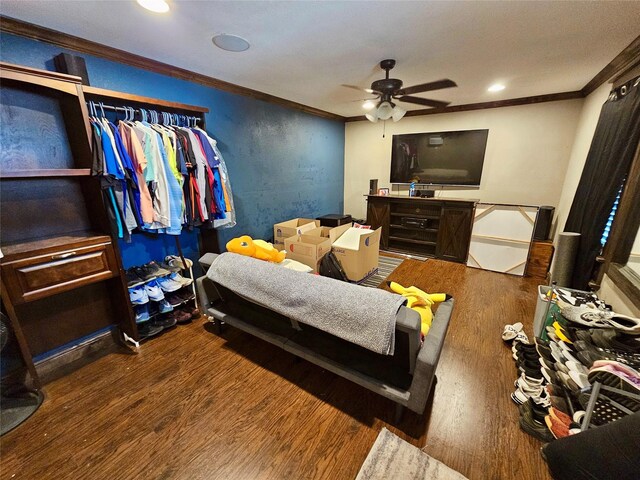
[127,338]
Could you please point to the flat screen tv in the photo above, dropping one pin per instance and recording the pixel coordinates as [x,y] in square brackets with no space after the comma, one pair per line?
[439,158]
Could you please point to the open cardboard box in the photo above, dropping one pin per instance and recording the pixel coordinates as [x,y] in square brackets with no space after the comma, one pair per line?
[360,258]
[329,232]
[307,249]
[295,226]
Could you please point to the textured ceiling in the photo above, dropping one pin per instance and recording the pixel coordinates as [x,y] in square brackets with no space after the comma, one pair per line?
[303,51]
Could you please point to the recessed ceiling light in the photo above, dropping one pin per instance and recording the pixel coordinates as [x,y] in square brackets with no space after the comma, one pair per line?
[230,43]
[157,6]
[368,105]
[496,87]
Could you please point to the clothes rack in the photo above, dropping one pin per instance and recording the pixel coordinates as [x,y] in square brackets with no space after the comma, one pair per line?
[165,118]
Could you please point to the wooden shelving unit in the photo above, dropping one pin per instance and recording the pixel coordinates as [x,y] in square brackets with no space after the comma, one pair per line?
[46,173]
[61,265]
[130,98]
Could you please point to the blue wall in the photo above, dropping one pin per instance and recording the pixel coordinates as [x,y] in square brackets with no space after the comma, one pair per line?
[282,163]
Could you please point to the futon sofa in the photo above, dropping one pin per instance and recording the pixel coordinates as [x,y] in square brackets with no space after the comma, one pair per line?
[406,376]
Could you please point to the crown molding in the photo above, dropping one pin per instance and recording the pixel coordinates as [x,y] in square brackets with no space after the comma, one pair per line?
[71,42]
[553,97]
[623,62]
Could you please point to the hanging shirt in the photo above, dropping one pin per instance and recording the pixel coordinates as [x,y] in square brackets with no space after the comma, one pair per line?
[201,171]
[161,207]
[136,153]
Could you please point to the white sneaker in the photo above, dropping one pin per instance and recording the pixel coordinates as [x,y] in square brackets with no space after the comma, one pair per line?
[154,291]
[595,318]
[168,284]
[138,295]
[184,281]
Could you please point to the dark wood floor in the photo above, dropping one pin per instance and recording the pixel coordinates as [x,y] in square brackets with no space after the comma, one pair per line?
[192,405]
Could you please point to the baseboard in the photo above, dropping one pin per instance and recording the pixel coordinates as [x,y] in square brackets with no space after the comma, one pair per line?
[66,361]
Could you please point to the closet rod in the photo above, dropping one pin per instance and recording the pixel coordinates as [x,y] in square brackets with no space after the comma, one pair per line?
[137,110]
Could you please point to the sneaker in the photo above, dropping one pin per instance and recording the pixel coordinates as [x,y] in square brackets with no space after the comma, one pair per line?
[176,261]
[133,279]
[164,321]
[561,417]
[609,338]
[142,313]
[538,412]
[168,284]
[534,428]
[181,315]
[154,291]
[184,281]
[556,427]
[193,311]
[164,306]
[524,382]
[148,329]
[152,270]
[138,295]
[521,395]
[592,317]
[171,268]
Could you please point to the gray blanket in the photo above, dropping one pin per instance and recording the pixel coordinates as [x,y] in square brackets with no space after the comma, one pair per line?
[363,316]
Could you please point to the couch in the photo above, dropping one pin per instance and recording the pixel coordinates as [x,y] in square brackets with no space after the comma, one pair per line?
[406,377]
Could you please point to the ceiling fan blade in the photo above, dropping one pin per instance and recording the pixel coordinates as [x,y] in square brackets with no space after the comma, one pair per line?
[354,87]
[423,101]
[364,99]
[427,87]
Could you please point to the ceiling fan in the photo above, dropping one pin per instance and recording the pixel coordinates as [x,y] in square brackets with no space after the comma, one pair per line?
[390,89]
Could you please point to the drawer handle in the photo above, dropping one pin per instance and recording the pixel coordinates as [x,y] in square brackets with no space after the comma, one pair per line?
[63,255]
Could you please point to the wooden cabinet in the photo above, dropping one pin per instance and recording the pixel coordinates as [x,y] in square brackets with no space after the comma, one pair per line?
[61,275]
[439,228]
[454,233]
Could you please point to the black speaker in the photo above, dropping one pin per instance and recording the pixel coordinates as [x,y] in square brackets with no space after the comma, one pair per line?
[72,65]
[542,228]
[373,187]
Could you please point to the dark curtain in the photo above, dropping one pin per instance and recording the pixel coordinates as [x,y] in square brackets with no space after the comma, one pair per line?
[610,155]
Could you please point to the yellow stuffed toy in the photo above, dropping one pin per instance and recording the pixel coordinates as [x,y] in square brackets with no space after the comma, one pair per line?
[420,302]
[259,249]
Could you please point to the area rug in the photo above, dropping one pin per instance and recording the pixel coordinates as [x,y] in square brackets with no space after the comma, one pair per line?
[386,265]
[391,458]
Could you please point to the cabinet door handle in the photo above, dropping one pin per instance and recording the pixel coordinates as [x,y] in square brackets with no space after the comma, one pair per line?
[63,255]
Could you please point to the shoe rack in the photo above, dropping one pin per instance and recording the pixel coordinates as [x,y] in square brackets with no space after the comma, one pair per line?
[191,300]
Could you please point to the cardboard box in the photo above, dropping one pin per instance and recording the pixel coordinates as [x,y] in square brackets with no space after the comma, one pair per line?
[307,249]
[329,232]
[296,226]
[360,258]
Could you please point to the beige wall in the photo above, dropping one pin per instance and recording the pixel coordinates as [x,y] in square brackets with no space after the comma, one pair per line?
[526,159]
[618,300]
[584,134]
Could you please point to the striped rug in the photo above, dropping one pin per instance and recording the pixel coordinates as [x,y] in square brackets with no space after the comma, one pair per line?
[386,265]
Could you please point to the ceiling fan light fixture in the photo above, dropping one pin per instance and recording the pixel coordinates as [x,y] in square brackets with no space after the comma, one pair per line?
[372,117]
[369,105]
[398,113]
[385,110]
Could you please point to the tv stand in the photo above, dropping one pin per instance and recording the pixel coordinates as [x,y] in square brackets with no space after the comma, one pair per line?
[439,228]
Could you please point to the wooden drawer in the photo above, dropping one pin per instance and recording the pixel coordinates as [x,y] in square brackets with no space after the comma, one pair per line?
[40,276]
